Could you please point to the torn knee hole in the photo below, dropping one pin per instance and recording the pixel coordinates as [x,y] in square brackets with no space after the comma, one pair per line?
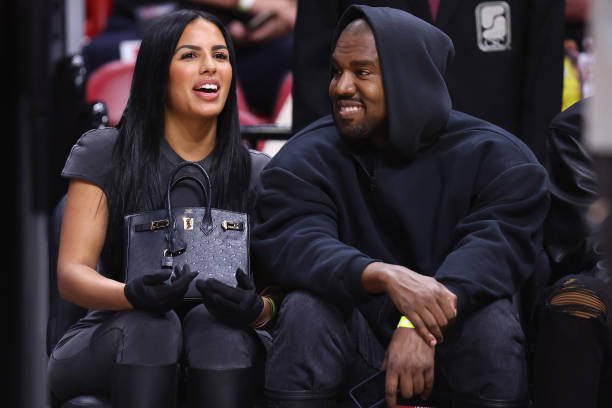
[576,300]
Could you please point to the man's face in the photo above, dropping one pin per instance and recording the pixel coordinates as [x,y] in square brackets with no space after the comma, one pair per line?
[356,88]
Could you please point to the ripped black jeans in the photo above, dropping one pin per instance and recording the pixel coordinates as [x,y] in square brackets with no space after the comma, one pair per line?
[573,359]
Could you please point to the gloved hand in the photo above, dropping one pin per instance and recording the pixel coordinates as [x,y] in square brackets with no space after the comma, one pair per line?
[150,292]
[237,306]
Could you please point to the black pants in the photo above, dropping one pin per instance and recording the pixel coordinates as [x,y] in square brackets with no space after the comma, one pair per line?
[317,348]
[573,359]
[82,361]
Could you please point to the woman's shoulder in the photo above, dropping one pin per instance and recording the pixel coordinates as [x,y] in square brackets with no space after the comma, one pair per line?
[91,156]
[258,161]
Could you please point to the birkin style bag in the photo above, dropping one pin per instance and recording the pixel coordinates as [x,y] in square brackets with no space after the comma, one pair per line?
[211,241]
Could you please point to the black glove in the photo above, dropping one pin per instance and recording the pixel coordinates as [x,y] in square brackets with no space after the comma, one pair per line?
[237,306]
[150,292]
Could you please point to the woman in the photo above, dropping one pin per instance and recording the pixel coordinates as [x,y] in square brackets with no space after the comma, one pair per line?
[182,107]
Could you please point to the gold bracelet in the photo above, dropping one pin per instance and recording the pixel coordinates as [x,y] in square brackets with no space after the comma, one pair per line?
[259,324]
[404,322]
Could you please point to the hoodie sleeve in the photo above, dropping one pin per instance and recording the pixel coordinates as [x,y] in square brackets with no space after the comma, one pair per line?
[496,245]
[296,236]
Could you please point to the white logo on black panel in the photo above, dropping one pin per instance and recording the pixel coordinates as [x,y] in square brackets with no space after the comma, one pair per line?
[493,26]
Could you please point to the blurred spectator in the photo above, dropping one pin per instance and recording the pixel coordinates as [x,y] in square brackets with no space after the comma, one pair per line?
[262,31]
[572,85]
[586,65]
[579,61]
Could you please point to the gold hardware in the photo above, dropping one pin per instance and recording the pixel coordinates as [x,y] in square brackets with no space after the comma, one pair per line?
[155,225]
[229,225]
[187,223]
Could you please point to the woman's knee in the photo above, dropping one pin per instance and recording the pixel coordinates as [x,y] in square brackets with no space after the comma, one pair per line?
[148,338]
[210,344]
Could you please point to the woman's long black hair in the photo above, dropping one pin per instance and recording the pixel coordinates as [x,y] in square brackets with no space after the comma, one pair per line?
[136,183]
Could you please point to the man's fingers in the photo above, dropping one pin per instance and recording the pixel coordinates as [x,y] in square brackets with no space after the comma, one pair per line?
[433,326]
[422,329]
[449,306]
[391,383]
[271,29]
[429,383]
[440,316]
[418,384]
[406,386]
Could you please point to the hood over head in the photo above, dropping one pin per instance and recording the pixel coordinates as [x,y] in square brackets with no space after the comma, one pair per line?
[413,57]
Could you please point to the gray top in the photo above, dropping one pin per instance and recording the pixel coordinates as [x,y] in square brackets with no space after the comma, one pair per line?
[91,160]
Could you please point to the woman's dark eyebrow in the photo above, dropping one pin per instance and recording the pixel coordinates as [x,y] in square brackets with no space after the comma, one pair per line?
[191,47]
[198,48]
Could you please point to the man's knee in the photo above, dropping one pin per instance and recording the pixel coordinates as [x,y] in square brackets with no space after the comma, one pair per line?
[312,346]
[308,316]
[494,329]
[485,355]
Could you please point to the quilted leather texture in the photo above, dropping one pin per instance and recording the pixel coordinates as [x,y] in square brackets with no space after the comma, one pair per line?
[215,254]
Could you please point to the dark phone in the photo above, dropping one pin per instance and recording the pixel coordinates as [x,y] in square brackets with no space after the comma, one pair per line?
[370,393]
[259,19]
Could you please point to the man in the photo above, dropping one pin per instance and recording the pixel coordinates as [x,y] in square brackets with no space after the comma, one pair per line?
[508,67]
[399,206]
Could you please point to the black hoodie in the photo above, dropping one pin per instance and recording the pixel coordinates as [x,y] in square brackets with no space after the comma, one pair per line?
[461,199]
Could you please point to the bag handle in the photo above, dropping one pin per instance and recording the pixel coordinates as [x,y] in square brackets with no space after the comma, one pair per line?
[175,244]
[192,178]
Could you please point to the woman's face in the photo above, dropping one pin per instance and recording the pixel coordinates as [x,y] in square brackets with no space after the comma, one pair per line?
[200,72]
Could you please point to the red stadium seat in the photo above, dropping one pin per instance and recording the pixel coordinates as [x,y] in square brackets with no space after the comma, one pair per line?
[284,93]
[111,84]
[97,12]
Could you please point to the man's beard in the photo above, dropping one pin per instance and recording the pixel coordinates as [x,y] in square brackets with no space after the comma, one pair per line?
[353,134]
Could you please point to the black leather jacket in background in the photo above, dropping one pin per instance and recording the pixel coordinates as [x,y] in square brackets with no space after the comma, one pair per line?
[571,239]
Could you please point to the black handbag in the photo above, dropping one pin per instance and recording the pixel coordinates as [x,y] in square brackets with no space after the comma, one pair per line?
[212,242]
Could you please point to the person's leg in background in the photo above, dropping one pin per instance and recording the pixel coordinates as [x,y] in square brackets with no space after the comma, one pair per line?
[572,359]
